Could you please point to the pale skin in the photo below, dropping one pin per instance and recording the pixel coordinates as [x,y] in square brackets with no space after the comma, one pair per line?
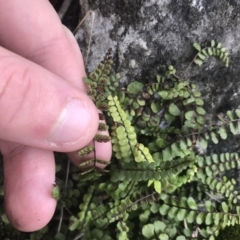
[41,71]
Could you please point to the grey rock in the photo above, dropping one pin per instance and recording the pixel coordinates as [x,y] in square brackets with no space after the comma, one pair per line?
[148,35]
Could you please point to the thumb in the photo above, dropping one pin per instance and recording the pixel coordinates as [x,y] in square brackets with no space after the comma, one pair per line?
[42,110]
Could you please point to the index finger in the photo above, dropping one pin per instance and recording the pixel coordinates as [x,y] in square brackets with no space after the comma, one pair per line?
[35,32]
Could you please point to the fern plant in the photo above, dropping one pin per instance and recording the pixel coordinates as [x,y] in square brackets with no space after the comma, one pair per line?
[160,183]
[156,131]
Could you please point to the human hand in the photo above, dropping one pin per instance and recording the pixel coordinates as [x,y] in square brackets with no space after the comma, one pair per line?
[43,108]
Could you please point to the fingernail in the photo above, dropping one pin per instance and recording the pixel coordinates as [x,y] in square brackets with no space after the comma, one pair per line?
[72,123]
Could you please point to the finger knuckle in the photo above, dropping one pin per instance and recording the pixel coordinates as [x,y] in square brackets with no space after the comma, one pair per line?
[14,86]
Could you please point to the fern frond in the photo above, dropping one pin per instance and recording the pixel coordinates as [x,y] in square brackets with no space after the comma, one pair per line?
[124,136]
[82,219]
[214,164]
[215,49]
[164,172]
[222,189]
[119,210]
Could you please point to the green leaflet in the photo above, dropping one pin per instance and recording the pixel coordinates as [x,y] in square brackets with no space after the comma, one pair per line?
[190,114]
[213,43]
[181,214]
[222,132]
[134,87]
[164,94]
[191,203]
[191,217]
[155,107]
[59,236]
[197,46]
[224,207]
[56,192]
[181,238]
[157,185]
[148,231]
[174,110]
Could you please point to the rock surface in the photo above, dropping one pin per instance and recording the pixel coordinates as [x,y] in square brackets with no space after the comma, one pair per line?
[147,36]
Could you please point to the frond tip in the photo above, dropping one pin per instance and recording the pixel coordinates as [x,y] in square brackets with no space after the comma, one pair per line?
[215,49]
